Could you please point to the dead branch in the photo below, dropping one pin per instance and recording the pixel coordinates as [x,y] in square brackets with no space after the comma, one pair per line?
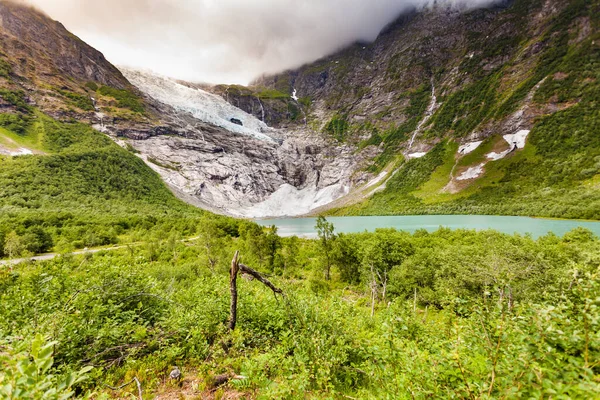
[235,268]
[220,380]
[137,382]
[257,275]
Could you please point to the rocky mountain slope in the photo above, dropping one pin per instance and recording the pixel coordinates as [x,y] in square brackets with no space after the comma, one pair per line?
[211,154]
[448,111]
[438,98]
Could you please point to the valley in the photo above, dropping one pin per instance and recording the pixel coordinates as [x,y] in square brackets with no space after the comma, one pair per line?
[387,189]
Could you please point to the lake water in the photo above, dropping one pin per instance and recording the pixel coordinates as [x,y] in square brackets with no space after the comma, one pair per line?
[305,227]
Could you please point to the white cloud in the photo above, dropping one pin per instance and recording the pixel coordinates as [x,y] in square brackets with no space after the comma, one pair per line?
[224,40]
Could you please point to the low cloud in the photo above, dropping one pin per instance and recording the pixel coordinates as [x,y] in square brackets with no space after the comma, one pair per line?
[230,41]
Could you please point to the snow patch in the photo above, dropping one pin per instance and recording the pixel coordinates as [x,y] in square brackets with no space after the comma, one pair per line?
[471,173]
[22,152]
[377,179]
[295,95]
[518,139]
[202,105]
[469,147]
[498,156]
[289,201]
[417,155]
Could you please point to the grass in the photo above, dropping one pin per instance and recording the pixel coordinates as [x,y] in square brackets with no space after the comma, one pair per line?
[84,190]
[272,94]
[33,138]
[431,191]
[125,98]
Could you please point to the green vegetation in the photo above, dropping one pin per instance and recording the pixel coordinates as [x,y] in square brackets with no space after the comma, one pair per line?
[550,177]
[80,101]
[27,373]
[15,98]
[93,86]
[86,191]
[5,69]
[426,315]
[394,138]
[372,315]
[467,108]
[306,102]
[124,98]
[17,123]
[19,120]
[338,127]
[272,94]
[154,160]
[388,314]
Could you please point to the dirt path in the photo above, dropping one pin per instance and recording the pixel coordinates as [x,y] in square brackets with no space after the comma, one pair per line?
[50,256]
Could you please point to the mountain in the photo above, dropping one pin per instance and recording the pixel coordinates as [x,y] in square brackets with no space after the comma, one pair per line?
[209,153]
[439,97]
[489,110]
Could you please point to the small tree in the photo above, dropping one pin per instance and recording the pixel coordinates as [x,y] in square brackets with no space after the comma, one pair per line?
[13,245]
[326,238]
[346,258]
[211,238]
[272,246]
[385,250]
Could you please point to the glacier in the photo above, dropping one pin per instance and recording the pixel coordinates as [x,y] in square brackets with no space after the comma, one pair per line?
[204,106]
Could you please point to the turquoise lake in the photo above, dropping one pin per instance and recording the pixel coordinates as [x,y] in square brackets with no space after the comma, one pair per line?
[305,227]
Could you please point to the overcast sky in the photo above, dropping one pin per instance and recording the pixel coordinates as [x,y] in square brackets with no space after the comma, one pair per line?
[224,41]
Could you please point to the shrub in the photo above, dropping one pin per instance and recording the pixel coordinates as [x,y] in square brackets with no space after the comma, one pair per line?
[124,98]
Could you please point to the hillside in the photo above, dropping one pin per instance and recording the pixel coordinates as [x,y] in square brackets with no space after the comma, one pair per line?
[90,157]
[442,80]
[423,120]
[63,184]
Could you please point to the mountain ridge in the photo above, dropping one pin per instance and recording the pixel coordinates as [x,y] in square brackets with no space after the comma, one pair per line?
[491,70]
[384,121]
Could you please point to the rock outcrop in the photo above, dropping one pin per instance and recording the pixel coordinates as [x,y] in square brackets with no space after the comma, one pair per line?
[241,169]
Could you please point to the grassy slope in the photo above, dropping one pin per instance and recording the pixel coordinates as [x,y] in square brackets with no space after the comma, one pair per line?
[498,304]
[550,177]
[85,190]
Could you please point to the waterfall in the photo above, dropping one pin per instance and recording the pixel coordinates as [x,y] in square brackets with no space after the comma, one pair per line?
[295,98]
[428,115]
[262,109]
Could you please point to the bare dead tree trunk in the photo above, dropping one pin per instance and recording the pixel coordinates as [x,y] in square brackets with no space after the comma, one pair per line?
[235,266]
[384,281]
[415,302]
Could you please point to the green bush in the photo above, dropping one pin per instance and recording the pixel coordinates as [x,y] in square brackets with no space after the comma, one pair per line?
[124,98]
[81,101]
[16,98]
[17,123]
[5,69]
[29,375]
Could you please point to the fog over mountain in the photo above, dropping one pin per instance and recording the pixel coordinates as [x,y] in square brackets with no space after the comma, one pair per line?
[231,41]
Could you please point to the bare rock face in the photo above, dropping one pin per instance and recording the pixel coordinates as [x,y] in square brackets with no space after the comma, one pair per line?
[45,50]
[243,170]
[231,173]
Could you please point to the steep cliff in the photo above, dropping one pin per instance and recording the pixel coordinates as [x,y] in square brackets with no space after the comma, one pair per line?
[449,111]
[210,153]
[441,81]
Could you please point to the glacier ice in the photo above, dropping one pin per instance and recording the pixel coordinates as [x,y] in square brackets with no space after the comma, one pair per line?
[204,106]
